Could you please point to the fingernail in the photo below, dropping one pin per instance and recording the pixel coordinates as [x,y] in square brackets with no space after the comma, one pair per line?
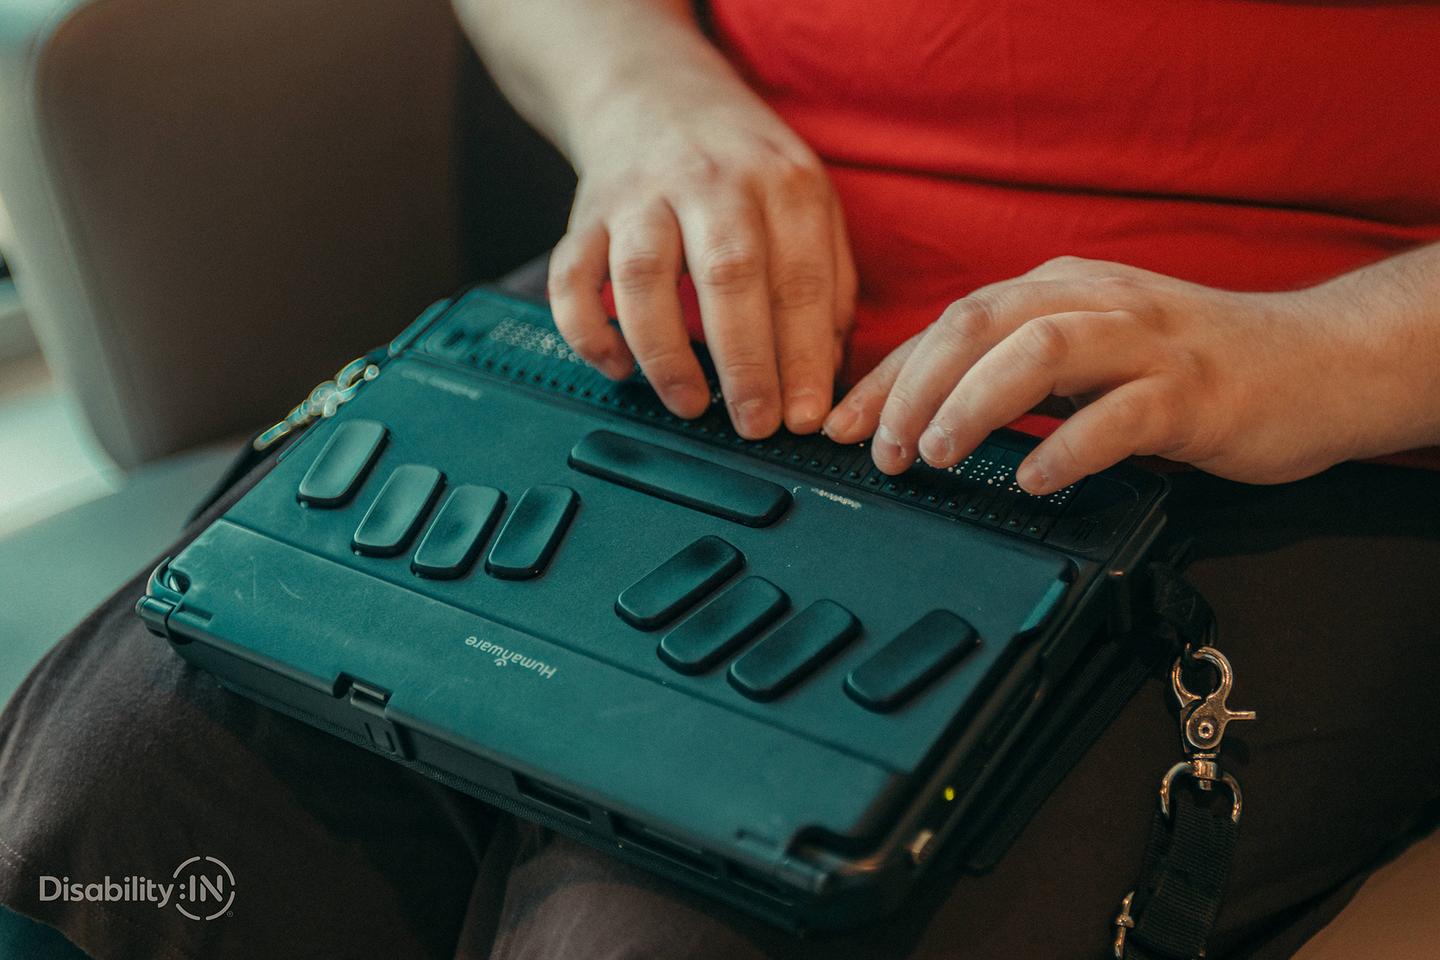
[936,446]
[841,420]
[803,413]
[687,400]
[1032,479]
[747,416]
[886,445]
[618,366]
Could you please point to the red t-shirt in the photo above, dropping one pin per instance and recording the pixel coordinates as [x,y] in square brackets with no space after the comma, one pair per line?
[1241,144]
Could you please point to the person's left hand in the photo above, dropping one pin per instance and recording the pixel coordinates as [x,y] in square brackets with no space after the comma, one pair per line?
[1243,385]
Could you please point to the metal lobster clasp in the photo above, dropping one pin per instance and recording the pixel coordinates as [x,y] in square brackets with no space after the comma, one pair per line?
[1203,718]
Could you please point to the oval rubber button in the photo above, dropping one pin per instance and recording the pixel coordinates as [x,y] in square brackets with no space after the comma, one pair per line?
[342,463]
[679,583]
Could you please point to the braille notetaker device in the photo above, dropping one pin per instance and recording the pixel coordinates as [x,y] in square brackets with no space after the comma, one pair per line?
[760,668]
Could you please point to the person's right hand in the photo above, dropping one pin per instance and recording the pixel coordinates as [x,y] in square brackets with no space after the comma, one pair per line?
[710,180]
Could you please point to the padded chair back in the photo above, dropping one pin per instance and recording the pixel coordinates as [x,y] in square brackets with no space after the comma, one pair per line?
[217,204]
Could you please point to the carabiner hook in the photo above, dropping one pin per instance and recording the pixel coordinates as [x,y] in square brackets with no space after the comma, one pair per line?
[1205,717]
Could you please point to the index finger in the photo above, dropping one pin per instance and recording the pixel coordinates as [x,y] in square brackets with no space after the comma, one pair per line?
[802,297]
[967,330]
[725,253]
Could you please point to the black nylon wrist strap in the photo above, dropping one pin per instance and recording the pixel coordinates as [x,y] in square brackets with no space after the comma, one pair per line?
[1172,910]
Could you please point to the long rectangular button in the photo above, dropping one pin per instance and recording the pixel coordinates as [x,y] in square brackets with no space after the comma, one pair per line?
[723,625]
[458,532]
[677,584]
[904,666]
[793,651]
[530,535]
[680,478]
[341,465]
[395,515]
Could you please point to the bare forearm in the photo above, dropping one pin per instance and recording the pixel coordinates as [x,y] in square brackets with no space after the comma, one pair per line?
[683,168]
[562,62]
[1393,366]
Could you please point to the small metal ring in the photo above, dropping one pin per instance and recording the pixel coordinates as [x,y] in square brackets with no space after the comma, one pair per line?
[1188,766]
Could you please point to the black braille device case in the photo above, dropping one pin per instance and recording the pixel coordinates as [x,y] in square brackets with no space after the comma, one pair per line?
[762,668]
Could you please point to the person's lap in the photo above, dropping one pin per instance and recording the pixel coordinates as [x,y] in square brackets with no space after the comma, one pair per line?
[1325,611]
[116,758]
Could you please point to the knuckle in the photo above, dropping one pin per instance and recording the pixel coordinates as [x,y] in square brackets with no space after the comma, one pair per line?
[798,180]
[798,288]
[1153,414]
[1169,406]
[746,371]
[1156,320]
[1062,265]
[1132,408]
[697,166]
[561,279]
[566,270]
[1118,290]
[1193,368]
[1064,457]
[966,320]
[1044,341]
[729,267]
[665,366]
[901,406]
[639,268]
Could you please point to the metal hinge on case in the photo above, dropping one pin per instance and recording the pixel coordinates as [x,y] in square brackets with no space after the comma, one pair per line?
[785,868]
[159,602]
[801,875]
[371,701]
[156,614]
[327,397]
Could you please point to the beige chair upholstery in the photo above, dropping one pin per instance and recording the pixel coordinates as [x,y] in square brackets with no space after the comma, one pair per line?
[1394,916]
[217,203]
